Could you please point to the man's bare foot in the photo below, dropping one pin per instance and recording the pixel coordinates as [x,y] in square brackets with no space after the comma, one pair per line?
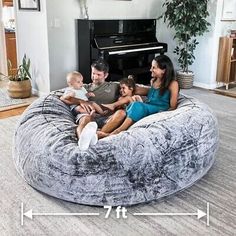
[110,107]
[101,134]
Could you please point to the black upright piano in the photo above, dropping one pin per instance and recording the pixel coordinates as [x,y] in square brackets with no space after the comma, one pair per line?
[127,45]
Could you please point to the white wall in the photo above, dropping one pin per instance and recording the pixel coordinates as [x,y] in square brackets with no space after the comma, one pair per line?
[62,42]
[114,9]
[32,39]
[48,37]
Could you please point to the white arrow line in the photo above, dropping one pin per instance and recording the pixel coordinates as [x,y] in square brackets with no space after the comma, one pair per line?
[199,214]
[30,214]
[22,214]
[208,214]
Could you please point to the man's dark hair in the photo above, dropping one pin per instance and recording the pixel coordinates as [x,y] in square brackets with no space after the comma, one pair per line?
[101,65]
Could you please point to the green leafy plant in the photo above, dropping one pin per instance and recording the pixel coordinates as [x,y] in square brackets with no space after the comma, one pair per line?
[21,73]
[188,19]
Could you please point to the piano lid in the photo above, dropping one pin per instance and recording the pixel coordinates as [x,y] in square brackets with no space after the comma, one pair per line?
[124,41]
[111,27]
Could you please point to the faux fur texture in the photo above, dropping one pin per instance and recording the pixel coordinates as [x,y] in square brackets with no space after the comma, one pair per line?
[158,156]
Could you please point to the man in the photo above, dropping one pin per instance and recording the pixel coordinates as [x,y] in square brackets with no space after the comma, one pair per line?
[105,92]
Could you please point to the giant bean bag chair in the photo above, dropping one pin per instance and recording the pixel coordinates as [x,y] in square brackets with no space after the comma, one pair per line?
[157,156]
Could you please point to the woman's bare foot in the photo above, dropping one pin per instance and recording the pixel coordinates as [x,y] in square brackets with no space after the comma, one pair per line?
[116,131]
[110,107]
[101,134]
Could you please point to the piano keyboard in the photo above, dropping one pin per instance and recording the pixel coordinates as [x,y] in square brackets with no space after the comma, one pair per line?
[133,50]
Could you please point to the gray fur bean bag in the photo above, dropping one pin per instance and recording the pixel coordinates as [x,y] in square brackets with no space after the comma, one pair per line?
[158,156]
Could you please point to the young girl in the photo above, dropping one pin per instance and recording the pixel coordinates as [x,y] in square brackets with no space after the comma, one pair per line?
[161,96]
[127,89]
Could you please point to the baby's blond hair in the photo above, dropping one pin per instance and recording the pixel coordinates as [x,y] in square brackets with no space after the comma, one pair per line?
[73,76]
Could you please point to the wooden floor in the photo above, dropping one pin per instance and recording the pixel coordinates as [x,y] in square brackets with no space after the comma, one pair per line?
[12,112]
[231,92]
[15,111]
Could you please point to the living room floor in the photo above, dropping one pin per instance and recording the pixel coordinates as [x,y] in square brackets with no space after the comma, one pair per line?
[217,188]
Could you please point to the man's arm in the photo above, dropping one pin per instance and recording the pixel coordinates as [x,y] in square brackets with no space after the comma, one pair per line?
[141,90]
[76,101]
[67,94]
[70,100]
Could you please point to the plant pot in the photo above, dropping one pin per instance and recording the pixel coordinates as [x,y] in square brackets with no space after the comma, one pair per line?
[185,79]
[19,89]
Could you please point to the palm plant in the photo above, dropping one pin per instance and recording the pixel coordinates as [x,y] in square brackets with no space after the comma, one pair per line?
[188,19]
[21,73]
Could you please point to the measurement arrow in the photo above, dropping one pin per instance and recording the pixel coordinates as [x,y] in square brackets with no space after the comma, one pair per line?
[199,214]
[30,214]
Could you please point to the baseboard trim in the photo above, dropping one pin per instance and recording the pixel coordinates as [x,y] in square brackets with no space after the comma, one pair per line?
[205,86]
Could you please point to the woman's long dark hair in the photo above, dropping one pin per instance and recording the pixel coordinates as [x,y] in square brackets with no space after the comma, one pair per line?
[166,64]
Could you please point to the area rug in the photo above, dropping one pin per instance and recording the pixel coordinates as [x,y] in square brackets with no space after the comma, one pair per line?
[5,100]
[7,103]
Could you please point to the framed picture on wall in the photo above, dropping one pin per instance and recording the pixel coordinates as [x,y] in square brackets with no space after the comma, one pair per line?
[29,5]
[229,10]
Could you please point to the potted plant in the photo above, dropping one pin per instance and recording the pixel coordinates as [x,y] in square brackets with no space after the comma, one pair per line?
[19,85]
[188,19]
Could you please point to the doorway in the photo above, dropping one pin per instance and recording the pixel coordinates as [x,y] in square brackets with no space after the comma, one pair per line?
[7,36]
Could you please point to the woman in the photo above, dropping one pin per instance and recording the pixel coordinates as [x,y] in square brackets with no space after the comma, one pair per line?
[161,96]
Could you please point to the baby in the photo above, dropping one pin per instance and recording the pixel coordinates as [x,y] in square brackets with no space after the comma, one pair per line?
[76,89]
[127,89]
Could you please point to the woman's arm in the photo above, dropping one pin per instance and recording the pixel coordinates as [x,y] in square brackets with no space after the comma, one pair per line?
[174,93]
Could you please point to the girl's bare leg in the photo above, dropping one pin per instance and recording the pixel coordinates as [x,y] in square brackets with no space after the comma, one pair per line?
[115,121]
[126,124]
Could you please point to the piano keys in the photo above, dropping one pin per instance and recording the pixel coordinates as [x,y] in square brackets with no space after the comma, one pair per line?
[127,45]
